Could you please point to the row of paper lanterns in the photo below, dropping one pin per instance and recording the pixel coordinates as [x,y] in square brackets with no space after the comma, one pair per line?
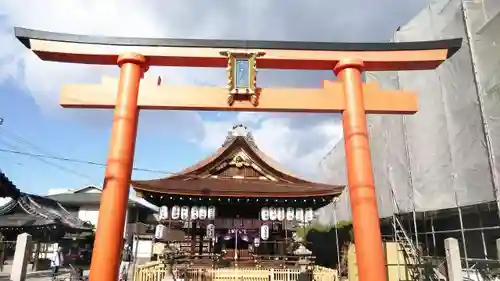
[186,213]
[264,232]
[290,214]
[161,231]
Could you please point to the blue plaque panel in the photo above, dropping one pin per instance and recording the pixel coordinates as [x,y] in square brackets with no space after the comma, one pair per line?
[241,73]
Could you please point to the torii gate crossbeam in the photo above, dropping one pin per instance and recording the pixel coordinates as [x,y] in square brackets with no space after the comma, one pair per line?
[349,96]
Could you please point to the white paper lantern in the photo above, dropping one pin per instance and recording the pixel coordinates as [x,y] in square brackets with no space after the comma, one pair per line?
[299,214]
[264,232]
[211,212]
[160,232]
[163,213]
[280,213]
[176,212]
[272,213]
[184,213]
[202,212]
[194,213]
[211,231]
[290,214]
[308,215]
[264,213]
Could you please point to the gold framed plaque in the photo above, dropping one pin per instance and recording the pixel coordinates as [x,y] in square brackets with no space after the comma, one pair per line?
[242,76]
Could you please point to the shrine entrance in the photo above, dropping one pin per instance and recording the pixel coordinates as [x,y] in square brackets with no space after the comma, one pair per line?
[236,206]
[242,59]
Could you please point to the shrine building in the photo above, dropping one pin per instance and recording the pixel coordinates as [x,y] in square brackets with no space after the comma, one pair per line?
[237,202]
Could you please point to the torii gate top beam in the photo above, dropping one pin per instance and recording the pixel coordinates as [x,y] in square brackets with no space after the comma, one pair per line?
[101,50]
[347,60]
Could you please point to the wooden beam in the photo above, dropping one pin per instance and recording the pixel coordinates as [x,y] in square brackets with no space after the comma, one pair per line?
[207,53]
[329,99]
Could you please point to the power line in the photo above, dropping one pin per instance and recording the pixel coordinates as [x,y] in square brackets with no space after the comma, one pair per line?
[76,160]
[40,158]
[19,140]
[46,155]
[12,136]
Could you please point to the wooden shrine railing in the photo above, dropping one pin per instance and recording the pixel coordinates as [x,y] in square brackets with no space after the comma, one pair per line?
[156,271]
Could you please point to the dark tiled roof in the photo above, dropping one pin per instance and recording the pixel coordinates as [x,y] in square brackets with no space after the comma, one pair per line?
[32,210]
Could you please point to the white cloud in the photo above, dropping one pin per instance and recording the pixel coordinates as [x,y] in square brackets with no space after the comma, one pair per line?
[249,118]
[215,133]
[299,141]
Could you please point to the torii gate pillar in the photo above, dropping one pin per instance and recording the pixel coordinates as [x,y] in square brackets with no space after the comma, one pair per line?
[114,199]
[369,250]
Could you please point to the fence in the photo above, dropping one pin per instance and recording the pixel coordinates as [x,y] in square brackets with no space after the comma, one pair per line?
[156,271]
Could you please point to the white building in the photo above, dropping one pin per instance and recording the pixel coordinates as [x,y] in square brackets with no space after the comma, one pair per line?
[140,219]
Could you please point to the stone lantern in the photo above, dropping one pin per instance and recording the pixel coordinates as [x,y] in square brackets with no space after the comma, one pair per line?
[170,256]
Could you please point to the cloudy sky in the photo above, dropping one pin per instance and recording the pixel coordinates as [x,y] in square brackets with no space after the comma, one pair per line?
[167,141]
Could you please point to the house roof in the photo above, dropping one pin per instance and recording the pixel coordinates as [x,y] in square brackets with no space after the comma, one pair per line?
[238,168]
[30,210]
[82,197]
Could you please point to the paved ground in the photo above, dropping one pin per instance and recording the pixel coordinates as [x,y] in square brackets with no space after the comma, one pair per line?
[42,275]
[46,275]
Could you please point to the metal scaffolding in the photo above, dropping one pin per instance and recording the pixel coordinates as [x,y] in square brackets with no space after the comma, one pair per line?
[437,172]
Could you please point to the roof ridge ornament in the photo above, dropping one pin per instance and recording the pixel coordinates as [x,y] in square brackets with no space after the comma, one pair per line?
[239,161]
[240,130]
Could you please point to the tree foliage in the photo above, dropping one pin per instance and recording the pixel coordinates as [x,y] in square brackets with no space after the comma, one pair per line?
[343,224]
[302,231]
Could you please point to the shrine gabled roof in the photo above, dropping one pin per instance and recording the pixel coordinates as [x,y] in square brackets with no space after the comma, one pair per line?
[239,150]
[236,188]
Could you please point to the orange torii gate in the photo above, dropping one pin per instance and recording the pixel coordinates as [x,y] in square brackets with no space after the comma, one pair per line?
[350,97]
